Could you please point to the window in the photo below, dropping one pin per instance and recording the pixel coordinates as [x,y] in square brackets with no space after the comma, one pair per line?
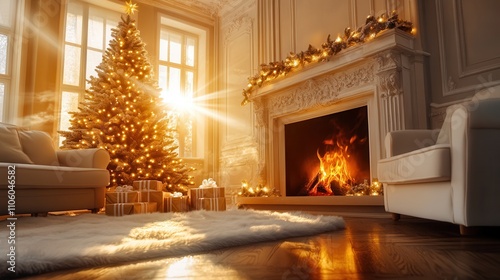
[181,60]
[87,33]
[7,31]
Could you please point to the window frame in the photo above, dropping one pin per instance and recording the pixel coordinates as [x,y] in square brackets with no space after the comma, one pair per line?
[188,29]
[87,6]
[12,76]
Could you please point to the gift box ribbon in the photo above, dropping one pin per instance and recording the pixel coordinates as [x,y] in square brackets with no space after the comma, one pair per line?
[208,183]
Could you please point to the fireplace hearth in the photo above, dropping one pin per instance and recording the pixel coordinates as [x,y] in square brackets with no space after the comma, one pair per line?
[379,80]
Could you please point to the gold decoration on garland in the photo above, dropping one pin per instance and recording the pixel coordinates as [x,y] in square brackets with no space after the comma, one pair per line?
[372,27]
[258,191]
[365,188]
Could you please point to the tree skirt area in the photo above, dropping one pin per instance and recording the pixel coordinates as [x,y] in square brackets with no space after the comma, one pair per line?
[45,244]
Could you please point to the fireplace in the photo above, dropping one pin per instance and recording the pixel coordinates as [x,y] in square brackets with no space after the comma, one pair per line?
[380,82]
[328,155]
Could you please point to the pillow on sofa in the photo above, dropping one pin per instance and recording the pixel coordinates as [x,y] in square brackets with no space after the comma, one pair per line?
[38,146]
[10,146]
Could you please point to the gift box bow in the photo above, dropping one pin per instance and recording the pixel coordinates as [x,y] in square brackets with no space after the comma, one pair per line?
[177,194]
[208,183]
[125,188]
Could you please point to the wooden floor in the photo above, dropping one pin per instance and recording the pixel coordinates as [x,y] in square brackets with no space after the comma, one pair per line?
[369,248]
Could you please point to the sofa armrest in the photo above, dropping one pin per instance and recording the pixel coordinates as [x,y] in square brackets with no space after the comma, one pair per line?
[90,158]
[404,141]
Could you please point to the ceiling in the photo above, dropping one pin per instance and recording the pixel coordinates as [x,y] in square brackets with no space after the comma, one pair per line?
[212,8]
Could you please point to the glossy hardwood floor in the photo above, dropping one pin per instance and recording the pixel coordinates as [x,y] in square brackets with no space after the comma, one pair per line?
[370,247]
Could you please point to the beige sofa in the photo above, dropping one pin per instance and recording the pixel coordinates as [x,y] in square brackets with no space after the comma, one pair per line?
[36,179]
[452,174]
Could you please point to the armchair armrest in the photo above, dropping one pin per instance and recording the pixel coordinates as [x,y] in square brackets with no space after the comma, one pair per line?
[488,117]
[404,141]
[89,158]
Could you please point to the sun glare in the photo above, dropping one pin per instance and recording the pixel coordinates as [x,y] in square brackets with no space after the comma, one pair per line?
[203,105]
[179,102]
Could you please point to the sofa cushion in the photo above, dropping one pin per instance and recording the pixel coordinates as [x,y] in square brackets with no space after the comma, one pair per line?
[430,164]
[38,146]
[10,147]
[56,177]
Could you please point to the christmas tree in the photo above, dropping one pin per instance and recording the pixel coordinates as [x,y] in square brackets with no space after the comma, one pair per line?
[122,112]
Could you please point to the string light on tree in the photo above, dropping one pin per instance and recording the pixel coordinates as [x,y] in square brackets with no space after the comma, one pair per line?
[122,112]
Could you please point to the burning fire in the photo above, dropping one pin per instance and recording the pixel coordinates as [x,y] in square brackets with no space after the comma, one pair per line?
[334,170]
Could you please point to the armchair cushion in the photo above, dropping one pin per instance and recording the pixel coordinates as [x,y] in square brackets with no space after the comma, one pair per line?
[429,164]
[404,141]
[11,150]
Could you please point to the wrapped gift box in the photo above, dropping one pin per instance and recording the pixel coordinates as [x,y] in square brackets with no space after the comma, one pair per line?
[153,196]
[211,204]
[197,193]
[120,209]
[145,185]
[122,197]
[176,204]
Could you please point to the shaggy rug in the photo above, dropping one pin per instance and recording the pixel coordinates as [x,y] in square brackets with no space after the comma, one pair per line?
[44,244]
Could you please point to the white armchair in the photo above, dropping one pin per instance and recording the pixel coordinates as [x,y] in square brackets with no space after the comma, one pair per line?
[451,174]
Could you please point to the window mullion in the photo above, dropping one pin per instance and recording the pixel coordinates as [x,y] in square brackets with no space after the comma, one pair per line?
[84,50]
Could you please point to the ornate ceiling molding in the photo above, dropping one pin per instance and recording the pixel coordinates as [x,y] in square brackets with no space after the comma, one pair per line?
[211,8]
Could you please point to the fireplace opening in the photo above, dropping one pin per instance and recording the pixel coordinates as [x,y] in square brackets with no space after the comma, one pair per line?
[328,155]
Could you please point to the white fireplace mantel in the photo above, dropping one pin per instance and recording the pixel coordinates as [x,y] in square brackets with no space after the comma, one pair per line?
[394,39]
[385,74]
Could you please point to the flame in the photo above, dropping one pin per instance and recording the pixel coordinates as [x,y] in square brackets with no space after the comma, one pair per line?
[333,169]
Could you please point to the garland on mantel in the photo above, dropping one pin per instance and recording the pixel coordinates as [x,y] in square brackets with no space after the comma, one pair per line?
[372,27]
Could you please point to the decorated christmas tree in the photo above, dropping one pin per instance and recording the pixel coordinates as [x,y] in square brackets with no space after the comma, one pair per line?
[123,113]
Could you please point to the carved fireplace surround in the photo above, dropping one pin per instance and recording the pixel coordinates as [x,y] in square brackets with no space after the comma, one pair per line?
[384,74]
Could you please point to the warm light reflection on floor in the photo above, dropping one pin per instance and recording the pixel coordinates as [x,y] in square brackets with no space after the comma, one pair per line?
[179,268]
[194,267]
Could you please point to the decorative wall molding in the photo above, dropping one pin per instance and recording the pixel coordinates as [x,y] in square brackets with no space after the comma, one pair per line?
[458,75]
[466,68]
[321,91]
[242,24]
[388,60]
[389,74]
[260,113]
[238,155]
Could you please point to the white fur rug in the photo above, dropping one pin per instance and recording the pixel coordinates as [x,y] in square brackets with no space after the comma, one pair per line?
[45,244]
